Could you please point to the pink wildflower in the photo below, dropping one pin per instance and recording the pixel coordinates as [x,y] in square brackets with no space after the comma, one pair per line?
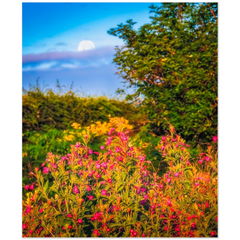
[95,232]
[104,165]
[98,166]
[75,190]
[118,149]
[90,151]
[176,174]
[213,233]
[120,158]
[28,209]
[103,192]
[169,203]
[45,170]
[112,166]
[90,198]
[207,158]
[215,138]
[124,138]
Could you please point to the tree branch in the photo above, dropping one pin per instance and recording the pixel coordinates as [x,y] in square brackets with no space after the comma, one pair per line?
[212,11]
[179,13]
[157,84]
[148,80]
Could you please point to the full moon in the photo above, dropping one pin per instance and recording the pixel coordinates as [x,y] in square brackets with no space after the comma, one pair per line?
[85,45]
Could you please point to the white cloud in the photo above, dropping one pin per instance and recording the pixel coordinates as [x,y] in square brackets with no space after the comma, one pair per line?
[42,66]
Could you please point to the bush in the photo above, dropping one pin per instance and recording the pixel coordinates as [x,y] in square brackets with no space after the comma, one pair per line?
[59,110]
[172,64]
[116,193]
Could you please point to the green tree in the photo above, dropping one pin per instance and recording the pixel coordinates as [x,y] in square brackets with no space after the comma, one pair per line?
[171,63]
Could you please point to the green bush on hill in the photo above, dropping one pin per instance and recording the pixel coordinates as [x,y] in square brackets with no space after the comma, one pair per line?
[59,111]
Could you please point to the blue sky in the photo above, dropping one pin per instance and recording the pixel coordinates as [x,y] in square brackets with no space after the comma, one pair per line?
[51,33]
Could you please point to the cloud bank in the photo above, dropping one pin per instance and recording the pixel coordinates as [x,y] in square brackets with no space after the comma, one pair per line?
[59,60]
[91,70]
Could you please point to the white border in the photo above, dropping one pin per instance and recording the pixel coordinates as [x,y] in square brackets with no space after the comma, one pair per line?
[229,116]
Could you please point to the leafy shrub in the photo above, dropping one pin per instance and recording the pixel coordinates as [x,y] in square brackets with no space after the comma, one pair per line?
[115,192]
[172,63]
[59,110]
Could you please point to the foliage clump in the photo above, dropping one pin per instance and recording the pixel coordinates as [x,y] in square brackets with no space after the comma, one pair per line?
[172,63]
[58,110]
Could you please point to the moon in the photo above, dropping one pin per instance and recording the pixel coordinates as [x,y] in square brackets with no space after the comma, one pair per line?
[85,45]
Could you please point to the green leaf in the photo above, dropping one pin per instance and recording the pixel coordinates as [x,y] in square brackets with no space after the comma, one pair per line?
[46,185]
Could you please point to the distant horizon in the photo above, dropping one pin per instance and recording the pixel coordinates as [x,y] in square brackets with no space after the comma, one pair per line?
[75,48]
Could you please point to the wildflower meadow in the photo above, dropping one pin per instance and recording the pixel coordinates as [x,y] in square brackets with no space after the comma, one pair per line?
[114,191]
